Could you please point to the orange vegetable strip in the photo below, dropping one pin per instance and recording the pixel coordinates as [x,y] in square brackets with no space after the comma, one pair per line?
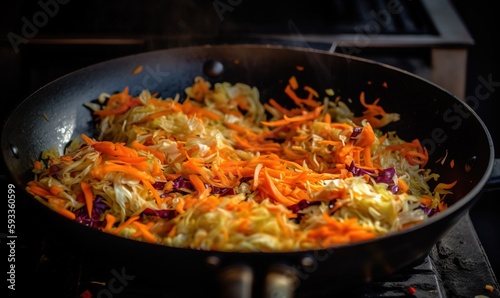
[37,190]
[242,102]
[129,160]
[274,192]
[328,118]
[367,156]
[197,183]
[442,188]
[311,91]
[382,139]
[114,149]
[87,140]
[415,158]
[297,100]
[366,137]
[145,178]
[137,70]
[172,232]
[37,165]
[129,221]
[157,153]
[56,190]
[89,196]
[145,233]
[442,206]
[168,104]
[115,111]
[279,107]
[257,170]
[101,171]
[110,221]
[179,207]
[156,171]
[360,235]
[293,82]
[238,128]
[306,116]
[153,191]
[426,200]
[283,226]
[402,185]
[195,168]
[118,103]
[66,213]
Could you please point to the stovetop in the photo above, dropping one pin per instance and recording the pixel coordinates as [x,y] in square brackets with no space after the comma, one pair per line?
[47,266]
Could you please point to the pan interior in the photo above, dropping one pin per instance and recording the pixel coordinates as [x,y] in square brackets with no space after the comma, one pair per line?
[55,114]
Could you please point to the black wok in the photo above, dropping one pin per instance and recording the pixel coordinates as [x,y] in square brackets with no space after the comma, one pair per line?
[54,115]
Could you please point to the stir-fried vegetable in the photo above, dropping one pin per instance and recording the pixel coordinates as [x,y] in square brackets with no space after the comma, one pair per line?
[222,171]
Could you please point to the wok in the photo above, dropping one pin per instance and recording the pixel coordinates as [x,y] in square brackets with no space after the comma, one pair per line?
[54,115]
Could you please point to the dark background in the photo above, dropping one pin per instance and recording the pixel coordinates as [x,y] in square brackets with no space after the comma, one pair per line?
[479,17]
[482,22]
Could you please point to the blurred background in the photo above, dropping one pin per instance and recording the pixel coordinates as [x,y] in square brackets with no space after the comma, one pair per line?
[451,43]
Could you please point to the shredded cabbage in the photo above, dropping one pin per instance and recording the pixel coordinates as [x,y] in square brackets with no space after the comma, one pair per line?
[220,170]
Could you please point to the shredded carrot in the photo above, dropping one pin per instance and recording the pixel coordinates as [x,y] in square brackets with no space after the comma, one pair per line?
[37,165]
[367,136]
[197,183]
[375,114]
[118,103]
[293,82]
[172,232]
[157,153]
[106,168]
[402,185]
[137,70]
[144,232]
[128,222]
[110,222]
[283,226]
[37,190]
[89,196]
[180,206]
[56,190]
[443,188]
[87,140]
[66,213]
[274,192]
[212,170]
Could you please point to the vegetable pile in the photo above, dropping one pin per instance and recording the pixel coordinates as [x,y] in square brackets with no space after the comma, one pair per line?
[219,170]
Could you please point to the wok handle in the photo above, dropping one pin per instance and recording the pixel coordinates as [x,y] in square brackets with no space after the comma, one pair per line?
[281,282]
[236,281]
